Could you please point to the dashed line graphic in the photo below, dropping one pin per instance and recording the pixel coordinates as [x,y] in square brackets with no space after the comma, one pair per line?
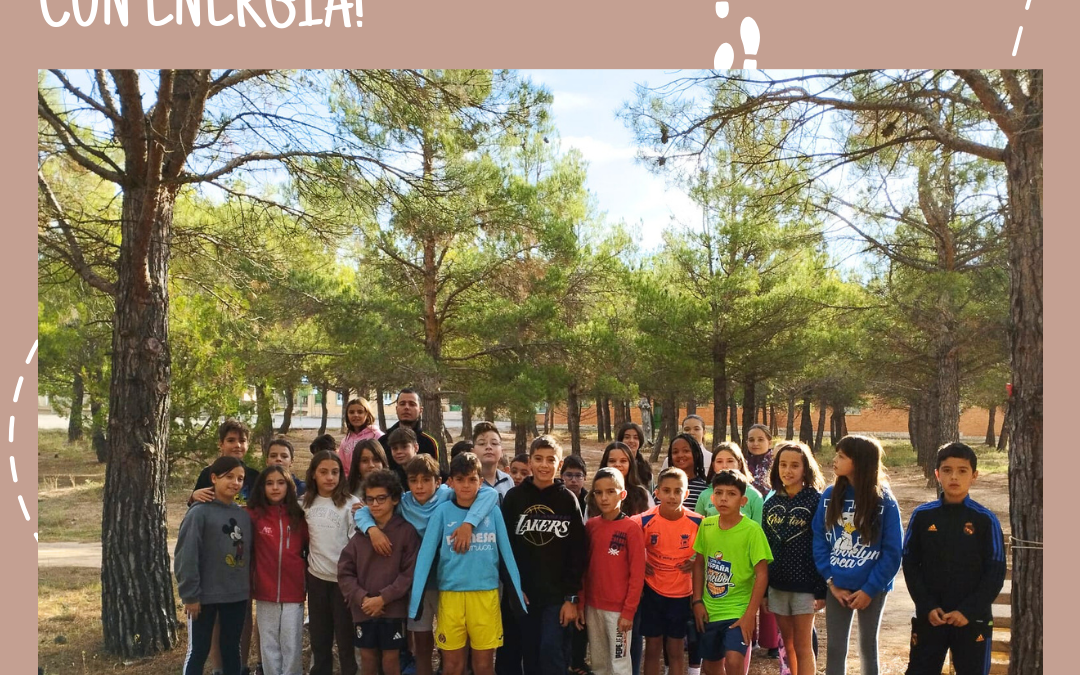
[11,433]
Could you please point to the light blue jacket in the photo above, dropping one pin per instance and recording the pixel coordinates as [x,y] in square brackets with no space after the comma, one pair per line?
[475,570]
[417,514]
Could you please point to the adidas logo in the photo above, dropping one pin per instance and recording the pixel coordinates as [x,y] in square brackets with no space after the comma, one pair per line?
[397,635]
[980,639]
[932,528]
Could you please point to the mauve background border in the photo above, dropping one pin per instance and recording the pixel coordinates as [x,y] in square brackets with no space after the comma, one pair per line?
[557,34]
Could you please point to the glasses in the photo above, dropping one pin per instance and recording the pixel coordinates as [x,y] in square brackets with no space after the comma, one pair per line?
[377,499]
[573,476]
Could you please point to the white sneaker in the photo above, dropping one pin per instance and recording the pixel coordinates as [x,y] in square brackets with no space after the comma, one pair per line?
[693,670]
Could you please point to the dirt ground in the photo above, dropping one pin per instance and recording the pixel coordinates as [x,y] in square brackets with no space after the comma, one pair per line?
[70,597]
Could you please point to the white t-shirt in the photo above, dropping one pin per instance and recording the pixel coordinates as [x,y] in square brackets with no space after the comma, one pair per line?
[329,530]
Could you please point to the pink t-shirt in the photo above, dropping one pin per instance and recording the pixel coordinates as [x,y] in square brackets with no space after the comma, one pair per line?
[345,450]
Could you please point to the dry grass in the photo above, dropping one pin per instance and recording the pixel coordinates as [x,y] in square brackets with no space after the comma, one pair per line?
[69,611]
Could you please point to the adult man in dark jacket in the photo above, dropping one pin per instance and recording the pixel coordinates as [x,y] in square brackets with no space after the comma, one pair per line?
[409,409]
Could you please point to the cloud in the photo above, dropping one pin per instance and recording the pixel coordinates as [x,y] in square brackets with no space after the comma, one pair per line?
[597,151]
[566,101]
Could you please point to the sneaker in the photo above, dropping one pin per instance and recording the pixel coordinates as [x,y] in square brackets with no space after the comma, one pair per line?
[774,653]
[693,670]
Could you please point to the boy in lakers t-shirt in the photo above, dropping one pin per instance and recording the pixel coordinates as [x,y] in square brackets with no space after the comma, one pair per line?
[730,576]
[669,530]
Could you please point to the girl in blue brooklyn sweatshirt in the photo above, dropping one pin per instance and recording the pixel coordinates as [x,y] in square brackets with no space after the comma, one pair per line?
[858,543]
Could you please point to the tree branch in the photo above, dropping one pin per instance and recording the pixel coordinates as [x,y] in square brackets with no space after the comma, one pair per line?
[71,142]
[231,78]
[74,255]
[989,99]
[78,93]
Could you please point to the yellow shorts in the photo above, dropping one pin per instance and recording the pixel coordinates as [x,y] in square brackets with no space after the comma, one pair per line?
[469,617]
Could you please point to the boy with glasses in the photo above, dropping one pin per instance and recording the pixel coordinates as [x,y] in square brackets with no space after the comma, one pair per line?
[376,587]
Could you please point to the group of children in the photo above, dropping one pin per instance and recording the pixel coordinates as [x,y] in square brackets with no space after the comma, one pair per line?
[514,576]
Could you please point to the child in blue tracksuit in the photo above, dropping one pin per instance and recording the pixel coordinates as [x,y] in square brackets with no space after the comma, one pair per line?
[424,497]
[468,583]
[858,541]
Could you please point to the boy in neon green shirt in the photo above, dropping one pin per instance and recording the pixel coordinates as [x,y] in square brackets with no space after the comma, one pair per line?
[730,576]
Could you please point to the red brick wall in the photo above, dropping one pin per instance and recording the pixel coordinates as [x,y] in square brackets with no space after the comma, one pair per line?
[875,418]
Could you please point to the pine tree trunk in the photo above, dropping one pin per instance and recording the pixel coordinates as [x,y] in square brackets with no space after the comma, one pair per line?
[573,417]
[789,432]
[346,396]
[489,414]
[834,428]
[990,431]
[691,406]
[1003,437]
[97,430]
[913,423]
[521,443]
[381,408]
[820,426]
[669,421]
[773,429]
[1024,226]
[719,390]
[607,418]
[549,417]
[599,419]
[137,602]
[618,414]
[286,417]
[928,433]
[264,418]
[948,393]
[466,419]
[326,409]
[660,433]
[431,421]
[749,408]
[733,416]
[75,423]
[806,425]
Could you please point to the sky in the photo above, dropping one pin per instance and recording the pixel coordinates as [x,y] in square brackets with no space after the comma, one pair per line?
[585,107]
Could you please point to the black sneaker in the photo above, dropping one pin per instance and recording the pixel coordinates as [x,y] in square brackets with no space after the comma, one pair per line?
[774,653]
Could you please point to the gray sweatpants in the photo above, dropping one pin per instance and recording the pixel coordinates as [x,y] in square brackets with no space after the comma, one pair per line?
[609,647]
[838,625]
[281,634]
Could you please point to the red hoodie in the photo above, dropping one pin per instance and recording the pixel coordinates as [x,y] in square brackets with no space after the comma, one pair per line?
[277,570]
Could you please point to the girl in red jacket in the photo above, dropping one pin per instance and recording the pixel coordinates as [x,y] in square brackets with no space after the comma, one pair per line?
[277,570]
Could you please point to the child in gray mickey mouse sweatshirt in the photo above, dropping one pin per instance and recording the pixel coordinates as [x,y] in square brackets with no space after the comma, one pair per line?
[212,563]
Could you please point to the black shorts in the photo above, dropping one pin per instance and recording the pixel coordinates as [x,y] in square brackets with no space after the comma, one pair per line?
[662,616]
[382,634]
[719,638]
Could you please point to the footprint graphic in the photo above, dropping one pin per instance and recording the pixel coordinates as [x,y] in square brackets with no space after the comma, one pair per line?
[724,58]
[751,39]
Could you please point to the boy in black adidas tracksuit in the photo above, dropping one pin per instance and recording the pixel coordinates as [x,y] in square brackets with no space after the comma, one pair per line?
[954,565]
